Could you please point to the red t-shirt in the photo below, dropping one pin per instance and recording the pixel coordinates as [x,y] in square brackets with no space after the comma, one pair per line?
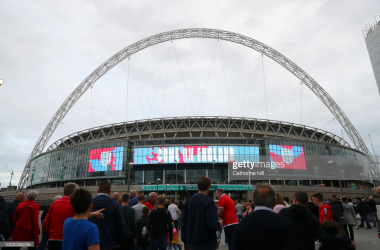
[149,205]
[229,214]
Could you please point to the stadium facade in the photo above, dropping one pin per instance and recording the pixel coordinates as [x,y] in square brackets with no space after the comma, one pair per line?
[175,152]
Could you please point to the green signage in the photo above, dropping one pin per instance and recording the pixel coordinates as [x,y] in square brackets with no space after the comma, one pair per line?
[189,187]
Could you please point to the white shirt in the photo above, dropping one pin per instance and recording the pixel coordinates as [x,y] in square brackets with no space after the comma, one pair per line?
[173,210]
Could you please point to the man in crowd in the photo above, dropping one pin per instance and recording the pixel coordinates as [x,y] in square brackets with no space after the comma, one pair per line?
[312,207]
[142,239]
[337,212]
[59,211]
[133,200]
[116,196]
[307,226]
[129,223]
[45,235]
[363,211]
[139,207]
[11,207]
[173,209]
[324,210]
[160,224]
[264,229]
[373,211]
[239,210]
[349,217]
[151,203]
[226,211]
[199,220]
[111,229]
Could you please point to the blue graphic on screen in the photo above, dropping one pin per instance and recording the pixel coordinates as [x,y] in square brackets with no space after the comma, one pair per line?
[103,158]
[195,154]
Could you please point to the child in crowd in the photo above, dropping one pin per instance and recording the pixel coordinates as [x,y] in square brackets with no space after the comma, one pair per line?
[332,228]
[78,232]
[142,231]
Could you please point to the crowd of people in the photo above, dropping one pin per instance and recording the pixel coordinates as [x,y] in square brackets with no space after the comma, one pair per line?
[77,220]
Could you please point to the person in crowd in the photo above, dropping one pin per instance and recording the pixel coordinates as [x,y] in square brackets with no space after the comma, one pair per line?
[151,203]
[349,217]
[239,210]
[332,228]
[5,228]
[373,211]
[287,201]
[116,196]
[175,241]
[78,232]
[173,209]
[180,205]
[257,230]
[25,219]
[199,220]
[59,211]
[312,207]
[45,234]
[111,228]
[167,204]
[248,208]
[307,226]
[337,212]
[133,200]
[160,224]
[142,232]
[363,211]
[226,211]
[11,207]
[324,210]
[129,218]
[279,204]
[138,207]
[179,220]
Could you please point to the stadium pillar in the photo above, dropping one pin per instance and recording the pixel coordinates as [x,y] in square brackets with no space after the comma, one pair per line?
[129,175]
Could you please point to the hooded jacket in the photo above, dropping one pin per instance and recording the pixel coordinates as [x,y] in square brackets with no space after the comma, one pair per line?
[336,208]
[111,228]
[308,228]
[325,213]
[349,214]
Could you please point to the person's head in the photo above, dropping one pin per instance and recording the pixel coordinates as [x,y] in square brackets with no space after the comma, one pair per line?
[300,198]
[344,199]
[105,188]
[317,199]
[20,196]
[133,193]
[161,201]
[359,199]
[153,197]
[166,201]
[70,188]
[125,198]
[247,205]
[116,196]
[57,197]
[349,200]
[140,199]
[219,192]
[204,184]
[378,192]
[237,201]
[180,203]
[81,201]
[286,199]
[250,201]
[279,200]
[264,195]
[145,210]
[331,227]
[371,198]
[140,193]
[333,197]
[32,195]
[173,201]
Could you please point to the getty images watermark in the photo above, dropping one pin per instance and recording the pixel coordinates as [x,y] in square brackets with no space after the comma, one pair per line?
[16,243]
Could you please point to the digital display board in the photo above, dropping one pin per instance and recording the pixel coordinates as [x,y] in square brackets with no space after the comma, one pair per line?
[287,157]
[101,159]
[195,154]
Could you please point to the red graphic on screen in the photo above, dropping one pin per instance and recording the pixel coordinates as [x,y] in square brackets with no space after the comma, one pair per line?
[289,157]
[96,154]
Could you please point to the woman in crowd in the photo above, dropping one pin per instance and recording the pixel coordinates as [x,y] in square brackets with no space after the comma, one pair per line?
[278,204]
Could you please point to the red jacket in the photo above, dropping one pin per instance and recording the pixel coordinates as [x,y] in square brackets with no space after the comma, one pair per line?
[150,205]
[59,211]
[325,213]
[25,219]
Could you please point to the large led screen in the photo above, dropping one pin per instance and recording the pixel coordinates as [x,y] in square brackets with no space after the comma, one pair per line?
[195,154]
[287,157]
[101,158]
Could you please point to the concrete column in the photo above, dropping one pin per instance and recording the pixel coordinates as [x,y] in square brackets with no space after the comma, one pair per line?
[163,176]
[214,195]
[185,176]
[207,172]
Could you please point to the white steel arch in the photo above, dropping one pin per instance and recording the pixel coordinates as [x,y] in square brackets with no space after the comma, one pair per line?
[197,33]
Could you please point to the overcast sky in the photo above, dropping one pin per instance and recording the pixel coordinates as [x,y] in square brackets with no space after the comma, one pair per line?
[48,47]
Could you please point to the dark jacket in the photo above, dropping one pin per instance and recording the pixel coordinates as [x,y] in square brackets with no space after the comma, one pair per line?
[129,221]
[44,213]
[160,223]
[313,209]
[133,201]
[362,208]
[111,228]
[199,222]
[5,228]
[262,230]
[337,209]
[11,207]
[309,228]
[372,206]
[141,223]
[346,247]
